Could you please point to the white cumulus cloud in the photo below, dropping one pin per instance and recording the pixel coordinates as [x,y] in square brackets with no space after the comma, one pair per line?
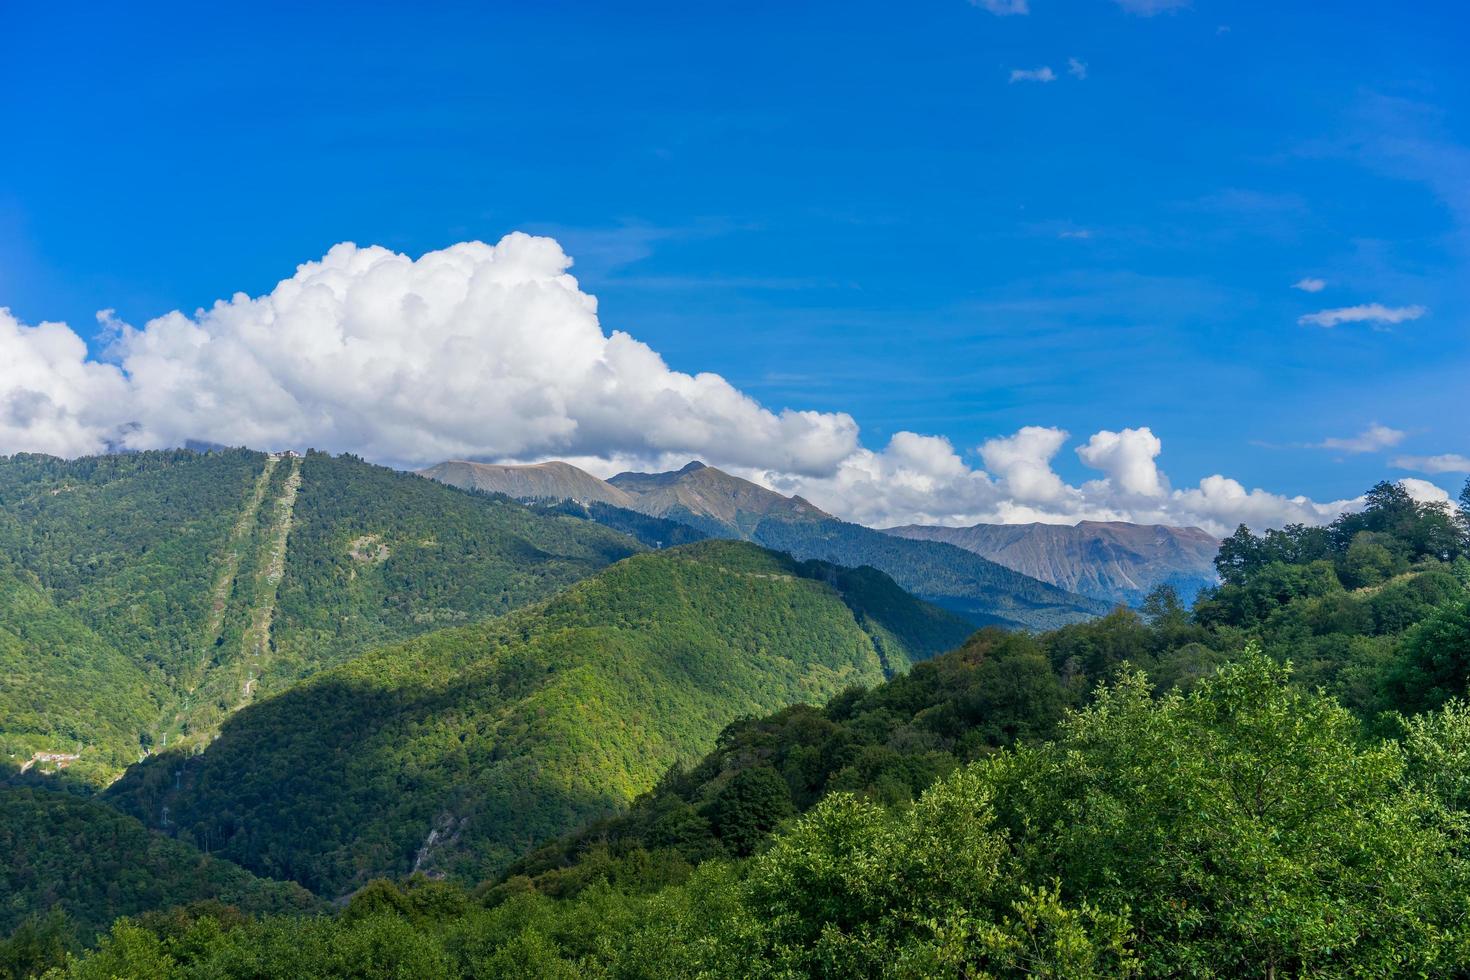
[53,399]
[495,352]
[1425,492]
[923,480]
[476,350]
[1364,313]
[1310,285]
[1127,458]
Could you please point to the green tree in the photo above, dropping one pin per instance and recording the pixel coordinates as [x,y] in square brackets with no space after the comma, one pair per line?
[749,808]
[1244,826]
[1368,561]
[1434,664]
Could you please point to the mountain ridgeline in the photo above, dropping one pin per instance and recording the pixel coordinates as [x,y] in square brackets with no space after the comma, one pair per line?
[1109,560]
[720,505]
[454,752]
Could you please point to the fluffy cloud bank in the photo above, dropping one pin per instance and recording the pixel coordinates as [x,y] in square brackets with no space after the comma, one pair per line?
[923,480]
[495,352]
[475,350]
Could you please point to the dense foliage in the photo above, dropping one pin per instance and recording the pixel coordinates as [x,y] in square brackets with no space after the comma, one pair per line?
[146,597]
[93,863]
[66,691]
[376,555]
[1401,645]
[106,571]
[1241,829]
[1275,783]
[459,750]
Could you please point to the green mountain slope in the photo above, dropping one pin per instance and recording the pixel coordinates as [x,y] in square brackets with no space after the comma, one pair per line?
[70,698]
[148,596]
[375,555]
[1399,641]
[456,751]
[1206,811]
[97,864]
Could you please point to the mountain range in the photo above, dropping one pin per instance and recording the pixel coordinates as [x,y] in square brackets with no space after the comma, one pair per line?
[1089,567]
[326,670]
[303,715]
[1110,560]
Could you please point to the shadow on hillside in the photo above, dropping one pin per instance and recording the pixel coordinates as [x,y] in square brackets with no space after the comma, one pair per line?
[337,781]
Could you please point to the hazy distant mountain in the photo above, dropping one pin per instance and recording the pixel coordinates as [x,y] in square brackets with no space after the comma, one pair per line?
[535,481]
[1110,560]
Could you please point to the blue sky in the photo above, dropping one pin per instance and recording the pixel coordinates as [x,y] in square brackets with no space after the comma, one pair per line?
[844,208]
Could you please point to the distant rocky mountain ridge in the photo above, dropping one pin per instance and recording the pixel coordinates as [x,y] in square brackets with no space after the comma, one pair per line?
[553,480]
[720,505]
[1111,560]
[701,495]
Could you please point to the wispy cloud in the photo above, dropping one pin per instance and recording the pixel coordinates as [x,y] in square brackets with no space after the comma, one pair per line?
[1444,463]
[1002,8]
[1310,285]
[1147,8]
[1075,233]
[1371,439]
[1375,313]
[1042,74]
[1077,69]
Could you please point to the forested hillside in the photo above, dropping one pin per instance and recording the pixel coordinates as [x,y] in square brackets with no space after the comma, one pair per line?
[1270,783]
[91,863]
[376,555]
[1156,793]
[456,751]
[145,597]
[107,567]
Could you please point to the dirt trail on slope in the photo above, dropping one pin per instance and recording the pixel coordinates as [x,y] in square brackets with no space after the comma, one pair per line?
[257,640]
[237,630]
[239,538]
